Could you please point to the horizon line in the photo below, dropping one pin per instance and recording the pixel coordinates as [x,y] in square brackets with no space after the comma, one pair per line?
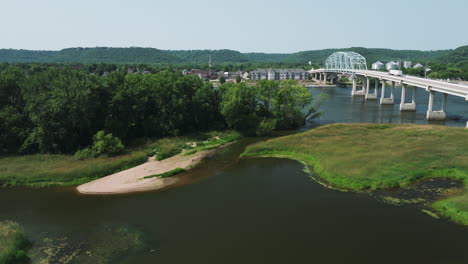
[279,53]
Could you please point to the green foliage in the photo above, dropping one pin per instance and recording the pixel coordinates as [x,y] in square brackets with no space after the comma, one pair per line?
[238,79]
[214,140]
[391,156]
[59,109]
[457,55]
[166,174]
[452,209]
[266,106]
[102,144]
[169,147]
[266,127]
[41,170]
[65,109]
[238,107]
[288,103]
[12,129]
[222,80]
[13,243]
[107,144]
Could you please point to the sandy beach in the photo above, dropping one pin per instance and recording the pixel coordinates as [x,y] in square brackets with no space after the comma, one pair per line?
[132,180]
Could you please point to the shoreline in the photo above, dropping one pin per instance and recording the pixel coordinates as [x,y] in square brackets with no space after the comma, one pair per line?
[132,180]
[347,177]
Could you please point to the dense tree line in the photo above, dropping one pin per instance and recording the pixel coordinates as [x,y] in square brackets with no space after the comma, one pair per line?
[442,71]
[452,65]
[47,109]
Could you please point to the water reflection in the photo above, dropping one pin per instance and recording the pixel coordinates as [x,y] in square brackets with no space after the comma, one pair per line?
[341,107]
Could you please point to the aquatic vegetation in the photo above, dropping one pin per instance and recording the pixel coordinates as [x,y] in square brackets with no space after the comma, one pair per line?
[362,157]
[430,213]
[106,245]
[399,201]
[13,243]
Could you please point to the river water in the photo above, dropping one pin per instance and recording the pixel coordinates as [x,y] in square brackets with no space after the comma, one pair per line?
[250,211]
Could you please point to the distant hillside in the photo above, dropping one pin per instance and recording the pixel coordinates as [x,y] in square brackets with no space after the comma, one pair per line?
[457,55]
[92,55]
[136,55]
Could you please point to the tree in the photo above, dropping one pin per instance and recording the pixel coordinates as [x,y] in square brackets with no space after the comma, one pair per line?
[12,129]
[10,90]
[238,107]
[65,109]
[102,144]
[238,79]
[222,79]
[205,110]
[288,105]
[266,90]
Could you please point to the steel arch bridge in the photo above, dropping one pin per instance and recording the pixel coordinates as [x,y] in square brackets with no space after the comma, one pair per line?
[345,62]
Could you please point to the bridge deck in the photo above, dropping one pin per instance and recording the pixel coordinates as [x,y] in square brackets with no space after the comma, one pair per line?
[428,84]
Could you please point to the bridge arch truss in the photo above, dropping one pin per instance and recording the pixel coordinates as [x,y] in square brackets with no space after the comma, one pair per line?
[345,62]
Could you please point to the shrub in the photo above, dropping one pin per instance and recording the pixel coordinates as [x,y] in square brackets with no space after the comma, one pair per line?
[266,127]
[102,144]
[13,243]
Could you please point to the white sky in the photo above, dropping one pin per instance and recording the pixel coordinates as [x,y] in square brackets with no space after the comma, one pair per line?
[244,25]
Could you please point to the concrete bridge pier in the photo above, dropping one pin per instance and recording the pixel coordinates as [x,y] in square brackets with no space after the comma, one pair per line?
[436,115]
[371,96]
[355,91]
[407,106]
[387,101]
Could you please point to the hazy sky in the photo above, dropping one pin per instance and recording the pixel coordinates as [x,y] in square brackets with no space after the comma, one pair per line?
[244,25]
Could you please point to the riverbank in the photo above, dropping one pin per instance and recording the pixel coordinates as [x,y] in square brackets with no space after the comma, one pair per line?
[44,170]
[372,156]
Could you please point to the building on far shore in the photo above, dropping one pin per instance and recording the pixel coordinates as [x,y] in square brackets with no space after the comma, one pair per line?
[391,65]
[377,65]
[213,75]
[407,64]
[279,74]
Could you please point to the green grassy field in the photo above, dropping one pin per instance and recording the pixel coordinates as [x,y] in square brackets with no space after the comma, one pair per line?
[372,156]
[42,170]
[13,243]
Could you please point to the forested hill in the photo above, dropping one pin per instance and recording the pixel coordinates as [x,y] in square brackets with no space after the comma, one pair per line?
[457,55]
[135,55]
[91,55]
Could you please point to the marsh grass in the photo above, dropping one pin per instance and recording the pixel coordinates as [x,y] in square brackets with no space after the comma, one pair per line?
[166,174]
[62,170]
[168,147]
[369,156]
[13,243]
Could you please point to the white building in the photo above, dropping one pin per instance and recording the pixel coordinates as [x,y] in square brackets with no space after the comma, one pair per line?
[417,66]
[407,64]
[279,74]
[377,65]
[391,65]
